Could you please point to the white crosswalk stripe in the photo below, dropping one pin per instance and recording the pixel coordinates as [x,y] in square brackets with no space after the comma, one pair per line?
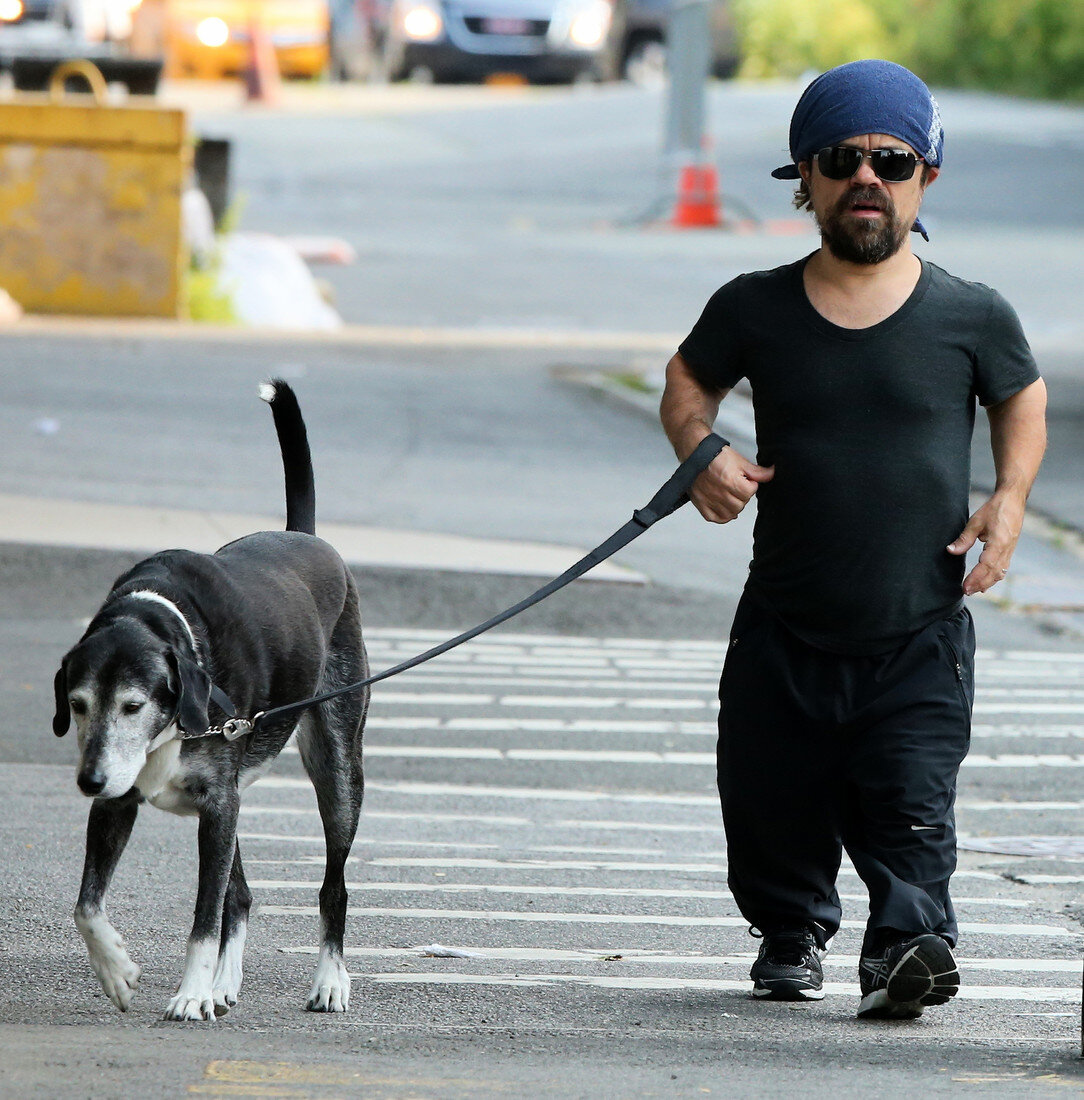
[549,803]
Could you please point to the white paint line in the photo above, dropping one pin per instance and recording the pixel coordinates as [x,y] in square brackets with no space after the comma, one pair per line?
[568,681]
[435,698]
[659,958]
[1029,708]
[1049,880]
[1011,760]
[707,867]
[590,756]
[372,842]
[570,891]
[1042,656]
[845,871]
[413,788]
[695,759]
[1055,732]
[388,815]
[1031,995]
[672,920]
[434,752]
[977,805]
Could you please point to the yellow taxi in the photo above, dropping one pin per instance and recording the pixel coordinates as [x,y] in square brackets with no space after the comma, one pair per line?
[210,39]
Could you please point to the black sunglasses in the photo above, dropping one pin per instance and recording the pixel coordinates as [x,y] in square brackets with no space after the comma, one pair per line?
[840,162]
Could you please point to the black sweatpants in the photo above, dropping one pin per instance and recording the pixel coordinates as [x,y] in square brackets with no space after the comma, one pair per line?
[820,752]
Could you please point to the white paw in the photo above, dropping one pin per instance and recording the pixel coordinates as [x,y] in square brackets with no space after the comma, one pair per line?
[184,1007]
[228,974]
[331,986]
[109,959]
[194,999]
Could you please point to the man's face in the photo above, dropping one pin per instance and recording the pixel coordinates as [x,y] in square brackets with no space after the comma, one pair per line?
[864,220]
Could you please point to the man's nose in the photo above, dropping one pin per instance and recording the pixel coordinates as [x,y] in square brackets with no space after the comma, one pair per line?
[865,176]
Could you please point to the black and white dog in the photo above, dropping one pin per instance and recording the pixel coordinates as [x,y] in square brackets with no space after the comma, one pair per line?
[269,619]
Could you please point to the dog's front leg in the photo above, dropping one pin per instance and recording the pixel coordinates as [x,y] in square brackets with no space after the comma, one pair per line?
[108,828]
[194,999]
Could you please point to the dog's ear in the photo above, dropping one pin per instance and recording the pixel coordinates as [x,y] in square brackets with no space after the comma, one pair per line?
[62,719]
[193,687]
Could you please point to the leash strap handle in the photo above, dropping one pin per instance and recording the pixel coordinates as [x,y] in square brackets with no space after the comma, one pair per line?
[675,492]
[668,499]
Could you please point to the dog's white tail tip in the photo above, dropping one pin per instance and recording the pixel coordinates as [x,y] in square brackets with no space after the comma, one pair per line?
[268,392]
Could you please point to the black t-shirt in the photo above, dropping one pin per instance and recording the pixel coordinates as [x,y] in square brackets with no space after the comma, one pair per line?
[869,431]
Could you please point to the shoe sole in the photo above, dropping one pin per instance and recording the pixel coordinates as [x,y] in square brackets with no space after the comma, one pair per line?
[784,989]
[926,975]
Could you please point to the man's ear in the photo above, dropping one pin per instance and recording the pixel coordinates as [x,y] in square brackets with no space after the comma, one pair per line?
[62,719]
[929,175]
[193,688]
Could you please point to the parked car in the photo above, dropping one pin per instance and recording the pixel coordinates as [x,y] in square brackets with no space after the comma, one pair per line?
[37,35]
[539,40]
[211,39]
[641,27]
[543,40]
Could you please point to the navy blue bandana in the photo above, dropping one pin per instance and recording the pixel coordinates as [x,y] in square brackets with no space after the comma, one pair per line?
[865,97]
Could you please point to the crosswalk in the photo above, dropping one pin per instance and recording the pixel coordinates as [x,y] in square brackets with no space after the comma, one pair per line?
[541,813]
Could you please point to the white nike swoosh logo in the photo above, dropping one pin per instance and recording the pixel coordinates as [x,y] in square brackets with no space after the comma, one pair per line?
[920,828]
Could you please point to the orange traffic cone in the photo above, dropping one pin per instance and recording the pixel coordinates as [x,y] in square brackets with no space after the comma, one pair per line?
[697,203]
[262,81]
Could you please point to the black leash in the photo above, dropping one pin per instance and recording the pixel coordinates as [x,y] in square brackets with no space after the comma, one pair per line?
[667,500]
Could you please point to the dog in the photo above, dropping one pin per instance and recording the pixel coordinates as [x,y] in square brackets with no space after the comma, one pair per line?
[270,619]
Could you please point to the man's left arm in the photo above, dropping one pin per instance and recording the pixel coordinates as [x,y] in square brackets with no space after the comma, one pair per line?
[1018,440]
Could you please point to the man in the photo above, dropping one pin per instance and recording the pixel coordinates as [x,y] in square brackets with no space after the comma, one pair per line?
[847,689]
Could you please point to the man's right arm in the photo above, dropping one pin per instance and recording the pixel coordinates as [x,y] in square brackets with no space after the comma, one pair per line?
[688,411]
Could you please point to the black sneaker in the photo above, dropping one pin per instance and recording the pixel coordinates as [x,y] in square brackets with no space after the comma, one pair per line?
[909,976]
[788,967]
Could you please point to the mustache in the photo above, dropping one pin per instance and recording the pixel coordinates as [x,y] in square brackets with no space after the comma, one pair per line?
[866,196]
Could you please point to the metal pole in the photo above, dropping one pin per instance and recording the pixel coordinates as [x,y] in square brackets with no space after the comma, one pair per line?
[688,54]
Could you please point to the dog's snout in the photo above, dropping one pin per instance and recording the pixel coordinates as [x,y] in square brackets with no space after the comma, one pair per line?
[91,781]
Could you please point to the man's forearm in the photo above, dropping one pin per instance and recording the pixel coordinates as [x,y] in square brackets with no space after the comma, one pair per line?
[687,410]
[1018,439]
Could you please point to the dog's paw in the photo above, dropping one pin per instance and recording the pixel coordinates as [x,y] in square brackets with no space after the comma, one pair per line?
[184,1007]
[109,960]
[330,987]
[226,984]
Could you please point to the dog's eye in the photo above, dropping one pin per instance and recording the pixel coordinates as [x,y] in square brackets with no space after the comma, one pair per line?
[132,707]
[78,706]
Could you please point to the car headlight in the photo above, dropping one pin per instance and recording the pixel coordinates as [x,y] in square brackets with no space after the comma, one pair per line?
[212,32]
[11,10]
[421,21]
[590,25]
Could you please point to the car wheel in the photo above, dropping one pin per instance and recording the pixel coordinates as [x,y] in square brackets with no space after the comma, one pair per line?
[392,65]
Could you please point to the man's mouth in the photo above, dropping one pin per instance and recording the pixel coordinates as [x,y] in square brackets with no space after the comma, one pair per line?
[865,206]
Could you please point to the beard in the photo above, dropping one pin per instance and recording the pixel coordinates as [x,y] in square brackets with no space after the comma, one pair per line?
[857,240]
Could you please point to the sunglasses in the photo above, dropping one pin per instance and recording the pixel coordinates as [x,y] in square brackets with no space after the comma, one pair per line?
[840,162]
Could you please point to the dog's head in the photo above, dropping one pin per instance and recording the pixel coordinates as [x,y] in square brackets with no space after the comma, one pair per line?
[124,686]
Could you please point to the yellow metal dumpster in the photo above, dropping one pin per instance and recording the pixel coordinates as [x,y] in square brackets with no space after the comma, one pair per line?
[90,202]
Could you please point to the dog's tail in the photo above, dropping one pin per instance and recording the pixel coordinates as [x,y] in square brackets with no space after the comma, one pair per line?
[296,456]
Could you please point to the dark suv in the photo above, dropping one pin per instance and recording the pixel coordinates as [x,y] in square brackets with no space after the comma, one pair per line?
[639,32]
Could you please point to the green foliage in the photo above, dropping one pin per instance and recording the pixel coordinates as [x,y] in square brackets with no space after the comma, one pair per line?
[1023,47]
[207,301]
[791,37]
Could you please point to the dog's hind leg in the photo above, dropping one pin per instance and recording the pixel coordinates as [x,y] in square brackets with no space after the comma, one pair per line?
[231,947]
[194,999]
[108,828]
[330,744]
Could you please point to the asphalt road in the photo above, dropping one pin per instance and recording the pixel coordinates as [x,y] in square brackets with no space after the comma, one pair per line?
[542,801]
